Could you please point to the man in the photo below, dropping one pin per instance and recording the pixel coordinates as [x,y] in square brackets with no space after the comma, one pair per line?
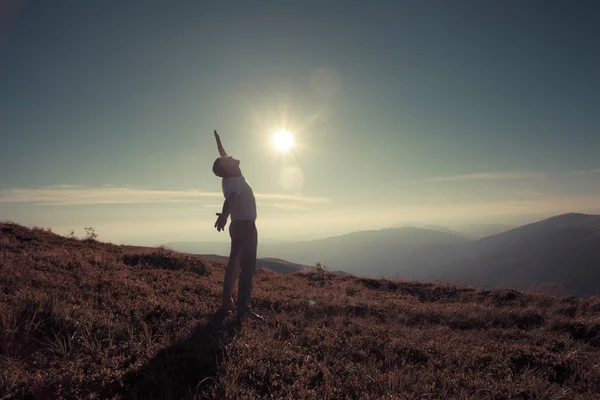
[241,205]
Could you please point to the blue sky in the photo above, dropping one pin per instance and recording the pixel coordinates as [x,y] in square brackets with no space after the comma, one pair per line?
[402,111]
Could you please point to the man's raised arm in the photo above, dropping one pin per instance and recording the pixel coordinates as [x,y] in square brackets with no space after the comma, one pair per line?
[222,151]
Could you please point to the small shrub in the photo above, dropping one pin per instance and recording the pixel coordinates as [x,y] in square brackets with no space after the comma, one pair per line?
[320,270]
[350,290]
[90,234]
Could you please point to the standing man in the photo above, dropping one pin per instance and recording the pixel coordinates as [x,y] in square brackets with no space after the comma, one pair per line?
[241,205]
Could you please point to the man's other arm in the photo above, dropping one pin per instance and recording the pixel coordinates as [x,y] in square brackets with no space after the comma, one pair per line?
[228,204]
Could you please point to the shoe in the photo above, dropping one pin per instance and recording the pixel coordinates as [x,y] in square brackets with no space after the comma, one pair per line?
[250,314]
[223,312]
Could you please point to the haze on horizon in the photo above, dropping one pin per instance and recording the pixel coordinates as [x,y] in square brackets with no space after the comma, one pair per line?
[402,112]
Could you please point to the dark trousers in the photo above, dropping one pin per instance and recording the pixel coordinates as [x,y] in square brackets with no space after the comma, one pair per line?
[242,261]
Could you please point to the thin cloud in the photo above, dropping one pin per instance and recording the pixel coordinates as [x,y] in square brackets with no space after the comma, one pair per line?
[298,198]
[67,195]
[291,207]
[492,176]
[587,172]
[212,205]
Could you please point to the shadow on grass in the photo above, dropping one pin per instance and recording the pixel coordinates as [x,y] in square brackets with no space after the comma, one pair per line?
[187,367]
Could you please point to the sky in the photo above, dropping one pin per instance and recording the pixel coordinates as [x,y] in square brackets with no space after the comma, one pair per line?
[402,112]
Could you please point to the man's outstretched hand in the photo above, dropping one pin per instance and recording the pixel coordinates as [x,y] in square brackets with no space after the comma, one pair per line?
[221,222]
[222,151]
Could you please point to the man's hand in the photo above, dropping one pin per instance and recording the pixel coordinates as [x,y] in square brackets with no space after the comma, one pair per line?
[222,151]
[221,222]
[224,214]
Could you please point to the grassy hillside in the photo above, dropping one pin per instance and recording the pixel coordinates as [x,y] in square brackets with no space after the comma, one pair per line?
[91,320]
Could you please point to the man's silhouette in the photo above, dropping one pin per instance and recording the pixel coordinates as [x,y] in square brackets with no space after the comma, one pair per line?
[241,205]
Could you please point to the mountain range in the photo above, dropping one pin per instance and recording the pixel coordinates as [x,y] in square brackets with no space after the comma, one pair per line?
[560,251]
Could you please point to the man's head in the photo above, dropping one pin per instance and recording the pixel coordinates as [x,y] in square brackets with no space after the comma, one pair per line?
[225,167]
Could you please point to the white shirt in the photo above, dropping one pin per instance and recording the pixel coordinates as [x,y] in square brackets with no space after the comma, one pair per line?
[245,205]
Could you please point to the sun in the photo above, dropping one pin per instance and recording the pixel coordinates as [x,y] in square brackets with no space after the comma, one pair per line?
[283,140]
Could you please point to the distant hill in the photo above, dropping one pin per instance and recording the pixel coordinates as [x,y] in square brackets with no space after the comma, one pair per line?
[562,250]
[478,231]
[220,252]
[470,231]
[407,252]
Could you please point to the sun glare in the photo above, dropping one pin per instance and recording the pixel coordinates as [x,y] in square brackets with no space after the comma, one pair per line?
[283,140]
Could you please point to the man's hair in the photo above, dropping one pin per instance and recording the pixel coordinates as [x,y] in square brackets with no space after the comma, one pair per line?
[218,168]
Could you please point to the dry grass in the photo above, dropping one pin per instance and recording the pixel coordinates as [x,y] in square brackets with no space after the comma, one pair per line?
[92,320]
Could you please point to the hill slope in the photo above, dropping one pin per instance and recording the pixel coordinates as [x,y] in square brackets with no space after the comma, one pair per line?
[274,264]
[561,250]
[92,320]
